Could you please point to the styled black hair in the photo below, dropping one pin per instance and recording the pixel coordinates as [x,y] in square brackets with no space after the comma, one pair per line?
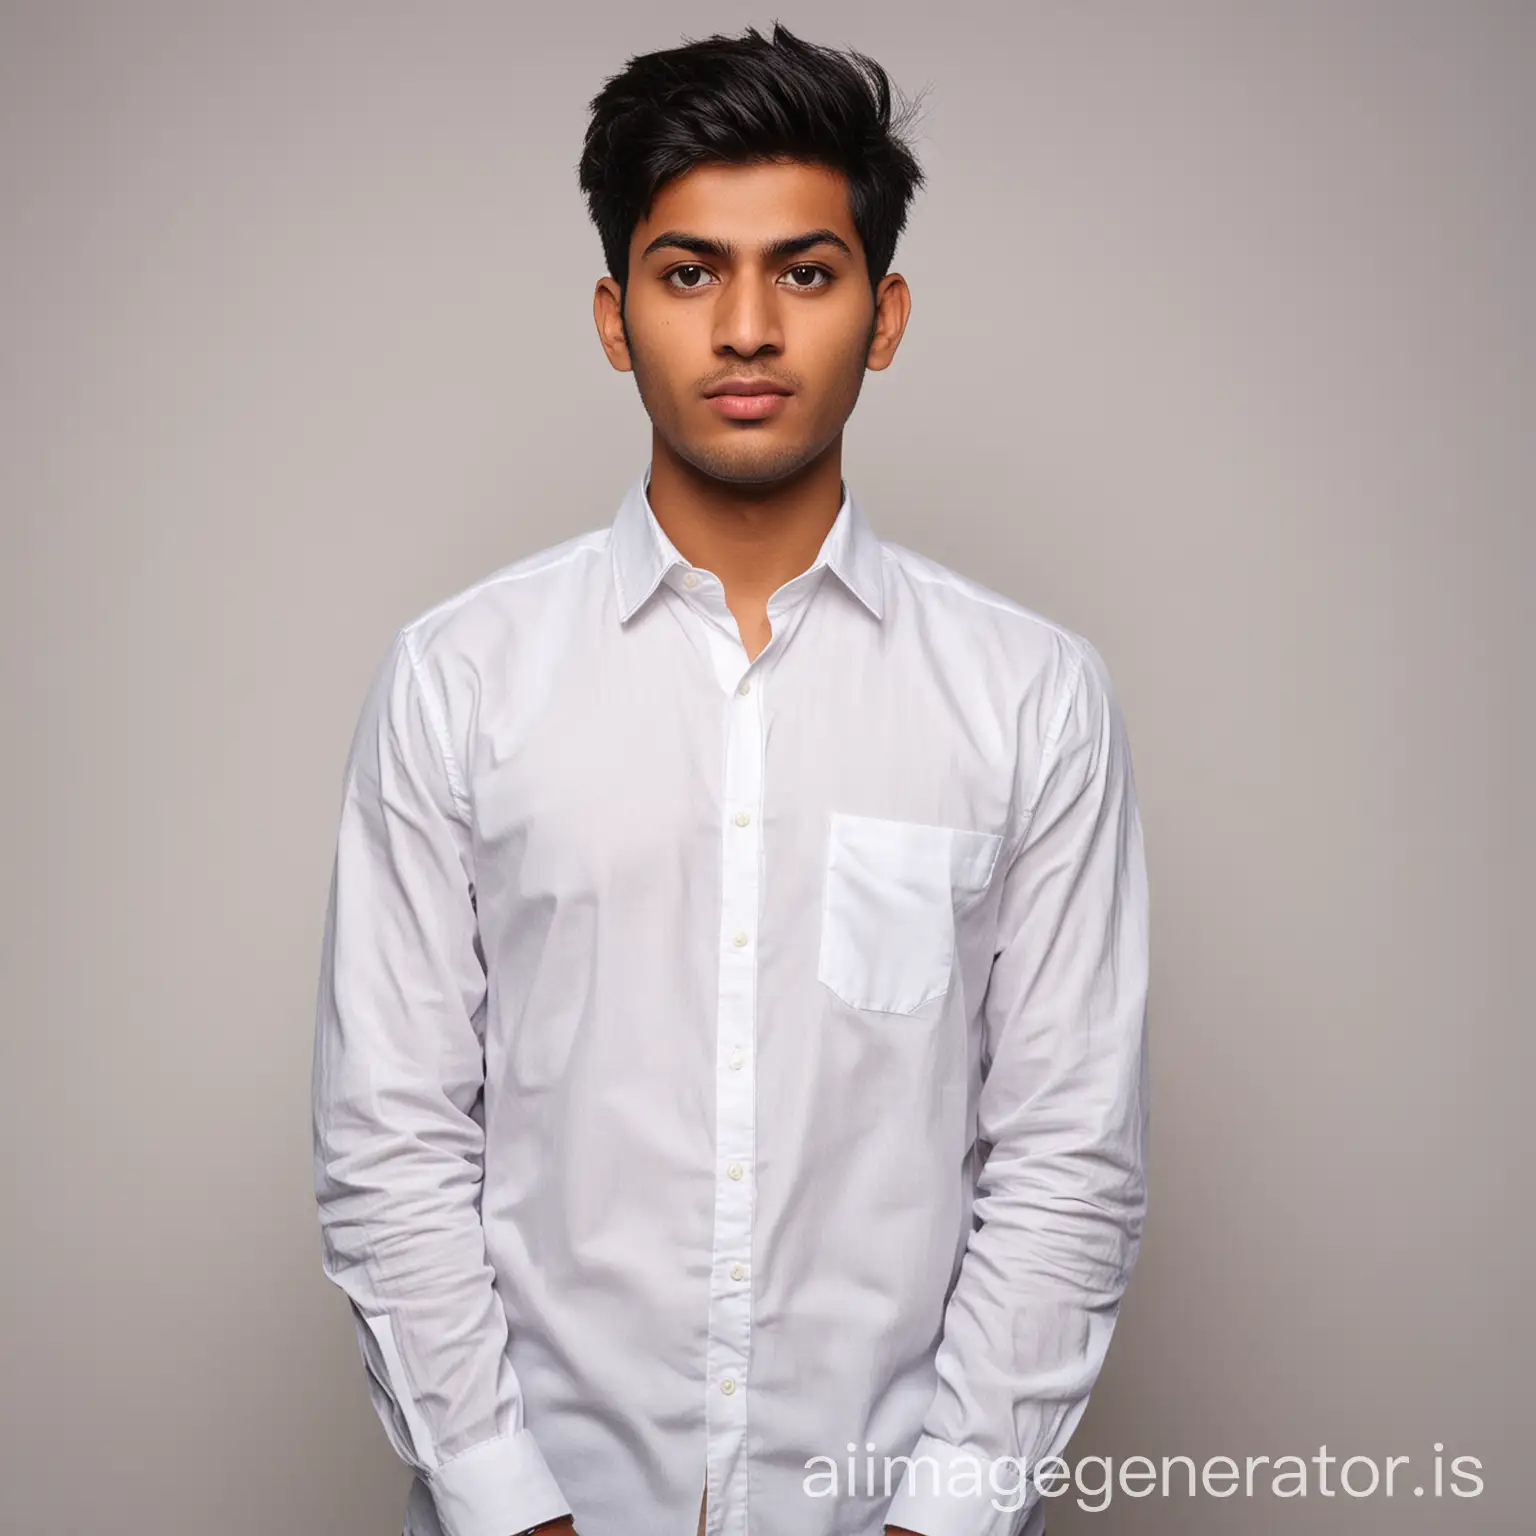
[739,100]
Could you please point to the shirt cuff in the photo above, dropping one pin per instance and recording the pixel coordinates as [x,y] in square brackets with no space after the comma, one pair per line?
[495,1488]
[951,1491]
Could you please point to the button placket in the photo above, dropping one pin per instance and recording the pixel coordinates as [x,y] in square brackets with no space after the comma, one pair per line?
[730,1301]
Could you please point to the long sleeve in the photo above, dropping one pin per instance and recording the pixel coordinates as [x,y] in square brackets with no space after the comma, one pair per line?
[398,1122]
[1063,1105]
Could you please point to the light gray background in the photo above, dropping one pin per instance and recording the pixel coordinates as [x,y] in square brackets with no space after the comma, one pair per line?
[1221,352]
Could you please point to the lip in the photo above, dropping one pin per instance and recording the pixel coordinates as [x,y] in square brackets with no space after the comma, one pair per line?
[747,398]
[756,407]
[748,384]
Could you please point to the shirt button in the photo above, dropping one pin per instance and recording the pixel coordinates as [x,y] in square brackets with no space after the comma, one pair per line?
[691,579]
[738,1271]
[735,1170]
[743,817]
[728,1386]
[746,685]
[739,939]
[736,1058]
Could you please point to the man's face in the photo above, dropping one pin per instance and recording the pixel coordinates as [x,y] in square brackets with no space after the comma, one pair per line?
[750,279]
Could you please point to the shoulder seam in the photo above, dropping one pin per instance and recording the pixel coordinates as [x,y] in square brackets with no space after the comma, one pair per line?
[1058,725]
[579,544]
[434,715]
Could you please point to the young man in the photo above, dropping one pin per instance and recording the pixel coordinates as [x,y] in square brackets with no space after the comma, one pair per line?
[730,1074]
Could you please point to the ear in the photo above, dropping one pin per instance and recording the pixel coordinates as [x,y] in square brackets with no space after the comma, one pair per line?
[608,314]
[893,303]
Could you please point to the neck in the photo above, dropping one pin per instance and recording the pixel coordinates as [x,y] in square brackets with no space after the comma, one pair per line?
[753,536]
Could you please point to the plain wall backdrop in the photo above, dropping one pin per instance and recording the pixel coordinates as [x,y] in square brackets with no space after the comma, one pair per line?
[1221,353]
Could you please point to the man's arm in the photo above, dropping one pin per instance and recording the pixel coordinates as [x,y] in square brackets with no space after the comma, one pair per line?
[398,1144]
[1063,1108]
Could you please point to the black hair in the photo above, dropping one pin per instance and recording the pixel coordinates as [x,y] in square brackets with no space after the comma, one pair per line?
[739,100]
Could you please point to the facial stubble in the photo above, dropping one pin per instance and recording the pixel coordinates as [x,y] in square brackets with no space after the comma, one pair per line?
[750,455]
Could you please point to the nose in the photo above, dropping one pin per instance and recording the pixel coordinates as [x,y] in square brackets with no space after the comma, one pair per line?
[746,317]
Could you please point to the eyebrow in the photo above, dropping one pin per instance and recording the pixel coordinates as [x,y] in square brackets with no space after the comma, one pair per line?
[728,250]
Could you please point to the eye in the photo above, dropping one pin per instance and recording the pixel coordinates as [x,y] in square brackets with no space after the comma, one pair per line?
[691,268]
[809,272]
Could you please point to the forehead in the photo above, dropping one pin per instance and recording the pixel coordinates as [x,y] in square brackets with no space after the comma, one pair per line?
[752,203]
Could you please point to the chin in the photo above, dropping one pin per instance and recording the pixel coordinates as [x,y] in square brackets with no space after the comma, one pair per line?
[751,460]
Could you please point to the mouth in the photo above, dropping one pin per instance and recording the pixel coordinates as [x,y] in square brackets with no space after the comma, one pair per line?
[747,399]
[749,407]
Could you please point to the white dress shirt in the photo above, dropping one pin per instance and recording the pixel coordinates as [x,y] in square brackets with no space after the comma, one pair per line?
[729,1070]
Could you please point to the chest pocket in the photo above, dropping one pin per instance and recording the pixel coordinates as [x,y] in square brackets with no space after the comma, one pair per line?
[892,890]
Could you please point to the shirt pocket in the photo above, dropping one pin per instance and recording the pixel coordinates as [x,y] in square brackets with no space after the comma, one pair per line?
[890,898]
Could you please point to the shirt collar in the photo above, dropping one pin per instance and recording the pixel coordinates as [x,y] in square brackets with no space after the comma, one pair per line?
[643,554]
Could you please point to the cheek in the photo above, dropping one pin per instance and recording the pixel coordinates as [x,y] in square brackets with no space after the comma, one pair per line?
[651,375]
[839,365]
